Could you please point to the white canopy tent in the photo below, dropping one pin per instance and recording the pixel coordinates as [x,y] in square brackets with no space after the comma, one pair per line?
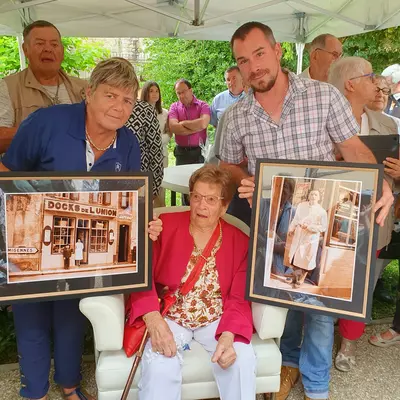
[296,21]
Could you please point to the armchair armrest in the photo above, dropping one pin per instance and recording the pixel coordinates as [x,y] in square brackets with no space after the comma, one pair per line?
[107,316]
[269,321]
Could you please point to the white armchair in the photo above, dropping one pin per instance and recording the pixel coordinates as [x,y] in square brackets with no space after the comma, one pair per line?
[106,314]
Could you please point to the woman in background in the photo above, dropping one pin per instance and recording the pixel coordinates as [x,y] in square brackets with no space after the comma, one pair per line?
[381,98]
[151,94]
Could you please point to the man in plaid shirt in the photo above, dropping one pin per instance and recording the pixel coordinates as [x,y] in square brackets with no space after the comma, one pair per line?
[287,117]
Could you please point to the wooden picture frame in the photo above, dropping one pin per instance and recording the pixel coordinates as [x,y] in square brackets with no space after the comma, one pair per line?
[55,240]
[314,237]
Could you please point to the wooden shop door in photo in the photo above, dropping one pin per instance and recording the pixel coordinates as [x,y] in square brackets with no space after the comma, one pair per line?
[82,233]
[123,246]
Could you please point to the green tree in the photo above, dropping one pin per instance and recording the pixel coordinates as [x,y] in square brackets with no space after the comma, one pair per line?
[380,48]
[9,56]
[201,62]
[80,55]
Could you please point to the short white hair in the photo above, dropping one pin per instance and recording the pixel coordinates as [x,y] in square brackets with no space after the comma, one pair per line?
[347,68]
[392,72]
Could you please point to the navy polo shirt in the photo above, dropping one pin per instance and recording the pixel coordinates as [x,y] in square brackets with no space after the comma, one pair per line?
[54,139]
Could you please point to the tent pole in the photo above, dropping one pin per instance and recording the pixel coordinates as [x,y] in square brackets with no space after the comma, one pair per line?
[299,51]
[22,61]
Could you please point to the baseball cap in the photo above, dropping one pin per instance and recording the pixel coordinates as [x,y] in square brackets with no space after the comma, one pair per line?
[393,72]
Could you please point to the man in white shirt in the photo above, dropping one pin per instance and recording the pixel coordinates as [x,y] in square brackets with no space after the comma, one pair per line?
[324,51]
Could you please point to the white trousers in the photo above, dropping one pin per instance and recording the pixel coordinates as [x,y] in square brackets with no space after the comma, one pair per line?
[161,377]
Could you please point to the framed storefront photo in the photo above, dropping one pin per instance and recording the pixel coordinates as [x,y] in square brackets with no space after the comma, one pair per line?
[73,235]
[314,237]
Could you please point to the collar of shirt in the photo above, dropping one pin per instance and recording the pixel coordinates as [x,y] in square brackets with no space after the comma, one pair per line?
[238,96]
[296,87]
[80,120]
[195,102]
[364,128]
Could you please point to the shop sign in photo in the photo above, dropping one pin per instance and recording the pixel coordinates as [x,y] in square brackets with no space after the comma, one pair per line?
[73,235]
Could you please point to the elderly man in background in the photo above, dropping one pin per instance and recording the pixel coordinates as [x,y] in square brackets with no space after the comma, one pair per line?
[324,51]
[354,78]
[42,84]
[392,74]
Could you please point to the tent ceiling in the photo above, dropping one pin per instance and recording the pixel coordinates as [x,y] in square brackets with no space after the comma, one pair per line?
[291,20]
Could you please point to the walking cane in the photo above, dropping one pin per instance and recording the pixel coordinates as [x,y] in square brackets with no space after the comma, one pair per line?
[167,303]
[135,365]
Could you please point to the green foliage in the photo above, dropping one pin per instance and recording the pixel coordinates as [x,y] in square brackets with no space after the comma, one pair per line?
[80,55]
[380,48]
[8,346]
[390,278]
[201,62]
[9,56]
[289,57]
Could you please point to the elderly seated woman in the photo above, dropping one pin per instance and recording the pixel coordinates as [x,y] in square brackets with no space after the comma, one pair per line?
[214,312]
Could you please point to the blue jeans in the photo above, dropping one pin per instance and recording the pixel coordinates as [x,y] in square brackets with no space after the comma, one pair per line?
[34,324]
[314,356]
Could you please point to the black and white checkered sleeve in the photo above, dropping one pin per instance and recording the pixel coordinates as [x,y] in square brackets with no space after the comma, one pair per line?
[152,160]
[341,124]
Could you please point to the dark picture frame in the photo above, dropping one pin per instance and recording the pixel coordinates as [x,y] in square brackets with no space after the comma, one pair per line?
[313,236]
[56,231]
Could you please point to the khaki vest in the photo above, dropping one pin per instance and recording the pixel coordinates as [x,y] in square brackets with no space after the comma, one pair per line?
[381,124]
[27,94]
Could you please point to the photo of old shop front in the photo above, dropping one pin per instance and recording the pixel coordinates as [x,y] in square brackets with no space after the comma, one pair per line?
[79,234]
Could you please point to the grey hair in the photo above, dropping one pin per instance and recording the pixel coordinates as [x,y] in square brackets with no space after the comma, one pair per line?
[346,68]
[320,42]
[116,72]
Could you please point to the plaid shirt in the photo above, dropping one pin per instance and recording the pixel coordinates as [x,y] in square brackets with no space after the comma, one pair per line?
[315,115]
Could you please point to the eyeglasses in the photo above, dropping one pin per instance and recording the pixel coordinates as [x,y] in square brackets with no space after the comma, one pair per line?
[371,76]
[385,90]
[209,198]
[334,54]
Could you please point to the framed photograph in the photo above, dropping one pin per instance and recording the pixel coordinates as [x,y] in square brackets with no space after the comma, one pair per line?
[314,236]
[73,235]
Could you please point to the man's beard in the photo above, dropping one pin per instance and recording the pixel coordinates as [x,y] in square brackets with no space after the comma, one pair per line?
[263,86]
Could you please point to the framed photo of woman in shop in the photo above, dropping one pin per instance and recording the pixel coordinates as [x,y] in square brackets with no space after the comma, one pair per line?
[314,238]
[73,235]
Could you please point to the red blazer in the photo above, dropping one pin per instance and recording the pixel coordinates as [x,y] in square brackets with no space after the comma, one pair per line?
[171,253]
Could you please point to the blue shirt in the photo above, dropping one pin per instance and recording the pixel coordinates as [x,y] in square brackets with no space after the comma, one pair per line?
[220,103]
[54,139]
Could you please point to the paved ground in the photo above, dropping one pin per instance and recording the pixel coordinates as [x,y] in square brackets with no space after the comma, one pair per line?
[377,377]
